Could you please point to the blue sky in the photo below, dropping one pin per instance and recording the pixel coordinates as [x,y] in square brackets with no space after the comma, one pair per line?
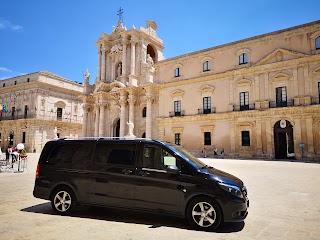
[59,35]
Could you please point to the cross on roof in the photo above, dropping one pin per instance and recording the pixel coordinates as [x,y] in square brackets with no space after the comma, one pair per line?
[120,12]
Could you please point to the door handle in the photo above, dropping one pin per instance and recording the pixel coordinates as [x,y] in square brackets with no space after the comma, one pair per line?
[144,174]
[126,171]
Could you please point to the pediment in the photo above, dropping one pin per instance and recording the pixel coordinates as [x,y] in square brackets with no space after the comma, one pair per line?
[177,93]
[281,77]
[316,71]
[244,82]
[280,55]
[207,88]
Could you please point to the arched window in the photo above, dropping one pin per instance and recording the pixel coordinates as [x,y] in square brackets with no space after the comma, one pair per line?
[144,112]
[318,42]
[206,66]
[177,72]
[243,58]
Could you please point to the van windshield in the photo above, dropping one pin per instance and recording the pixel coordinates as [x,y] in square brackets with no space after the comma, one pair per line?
[184,153]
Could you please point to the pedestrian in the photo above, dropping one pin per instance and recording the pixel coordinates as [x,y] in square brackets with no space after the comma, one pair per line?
[222,153]
[8,154]
[204,151]
[215,152]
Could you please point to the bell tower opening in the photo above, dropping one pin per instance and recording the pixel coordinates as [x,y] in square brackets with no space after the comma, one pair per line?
[151,52]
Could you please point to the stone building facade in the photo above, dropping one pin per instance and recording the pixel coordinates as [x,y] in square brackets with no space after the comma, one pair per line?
[33,105]
[256,98]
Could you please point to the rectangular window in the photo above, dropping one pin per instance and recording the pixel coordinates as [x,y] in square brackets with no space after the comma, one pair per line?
[318,43]
[281,96]
[319,91]
[177,72]
[244,101]
[243,58]
[157,158]
[206,105]
[59,113]
[177,138]
[177,108]
[114,154]
[23,137]
[26,111]
[206,66]
[207,138]
[245,137]
[13,112]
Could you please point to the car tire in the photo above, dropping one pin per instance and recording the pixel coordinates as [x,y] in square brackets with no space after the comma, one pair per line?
[204,213]
[63,200]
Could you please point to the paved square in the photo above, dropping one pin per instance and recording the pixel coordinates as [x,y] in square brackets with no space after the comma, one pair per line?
[284,204]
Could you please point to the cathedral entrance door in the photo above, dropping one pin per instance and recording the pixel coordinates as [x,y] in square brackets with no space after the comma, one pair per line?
[116,131]
[283,140]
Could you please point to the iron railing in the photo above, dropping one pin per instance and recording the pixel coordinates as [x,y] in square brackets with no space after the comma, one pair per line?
[37,116]
[206,111]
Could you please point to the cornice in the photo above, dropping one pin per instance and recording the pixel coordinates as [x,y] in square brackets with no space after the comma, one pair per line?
[298,111]
[284,33]
[245,71]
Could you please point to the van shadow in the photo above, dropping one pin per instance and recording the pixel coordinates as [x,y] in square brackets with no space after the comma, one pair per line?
[126,216]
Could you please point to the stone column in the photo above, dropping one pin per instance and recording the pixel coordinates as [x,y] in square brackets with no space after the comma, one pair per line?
[133,57]
[149,117]
[258,136]
[102,119]
[124,57]
[131,102]
[99,64]
[85,121]
[108,66]
[122,102]
[297,137]
[269,132]
[96,125]
[309,130]
[103,64]
[112,71]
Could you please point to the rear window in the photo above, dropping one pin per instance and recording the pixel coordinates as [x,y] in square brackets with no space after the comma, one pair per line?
[122,154]
[71,154]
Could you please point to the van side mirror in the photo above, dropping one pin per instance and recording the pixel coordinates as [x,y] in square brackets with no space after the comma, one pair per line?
[172,169]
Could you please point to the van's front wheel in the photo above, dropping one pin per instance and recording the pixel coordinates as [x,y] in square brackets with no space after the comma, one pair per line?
[204,213]
[63,200]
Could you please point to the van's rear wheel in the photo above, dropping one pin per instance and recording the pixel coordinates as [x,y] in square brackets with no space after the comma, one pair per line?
[204,213]
[63,200]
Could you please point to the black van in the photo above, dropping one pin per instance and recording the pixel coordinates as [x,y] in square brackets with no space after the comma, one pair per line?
[140,174]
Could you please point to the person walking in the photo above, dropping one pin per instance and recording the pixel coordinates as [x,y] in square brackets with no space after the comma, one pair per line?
[215,152]
[222,153]
[204,151]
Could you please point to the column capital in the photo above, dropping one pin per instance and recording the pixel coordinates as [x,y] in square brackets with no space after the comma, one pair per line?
[103,105]
[131,100]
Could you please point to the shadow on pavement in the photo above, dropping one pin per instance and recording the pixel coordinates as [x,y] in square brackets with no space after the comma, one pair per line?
[126,216]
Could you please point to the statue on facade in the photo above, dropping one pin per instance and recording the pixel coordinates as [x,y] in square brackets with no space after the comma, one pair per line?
[150,61]
[119,70]
[130,134]
[87,77]
[55,131]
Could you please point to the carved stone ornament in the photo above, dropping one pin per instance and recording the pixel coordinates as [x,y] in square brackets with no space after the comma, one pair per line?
[283,124]
[117,48]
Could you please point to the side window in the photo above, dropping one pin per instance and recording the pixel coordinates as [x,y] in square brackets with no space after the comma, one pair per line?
[114,154]
[71,154]
[317,43]
[157,158]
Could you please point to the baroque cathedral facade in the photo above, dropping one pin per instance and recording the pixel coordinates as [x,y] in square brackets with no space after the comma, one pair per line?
[255,98]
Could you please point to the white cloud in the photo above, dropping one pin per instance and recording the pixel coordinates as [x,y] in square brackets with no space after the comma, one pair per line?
[4,24]
[7,73]
[4,69]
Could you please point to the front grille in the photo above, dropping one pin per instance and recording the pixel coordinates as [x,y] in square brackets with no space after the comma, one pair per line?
[244,191]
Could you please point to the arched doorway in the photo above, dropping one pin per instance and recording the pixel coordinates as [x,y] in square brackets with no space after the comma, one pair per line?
[116,129]
[283,140]
[144,135]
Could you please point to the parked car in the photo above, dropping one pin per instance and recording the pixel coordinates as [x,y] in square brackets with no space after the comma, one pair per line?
[140,174]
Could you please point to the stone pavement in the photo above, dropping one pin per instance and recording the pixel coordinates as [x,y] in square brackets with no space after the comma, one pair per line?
[284,204]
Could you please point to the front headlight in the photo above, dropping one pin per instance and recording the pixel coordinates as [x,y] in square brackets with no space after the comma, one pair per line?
[234,190]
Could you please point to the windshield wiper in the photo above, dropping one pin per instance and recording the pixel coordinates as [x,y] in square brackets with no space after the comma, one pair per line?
[206,166]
